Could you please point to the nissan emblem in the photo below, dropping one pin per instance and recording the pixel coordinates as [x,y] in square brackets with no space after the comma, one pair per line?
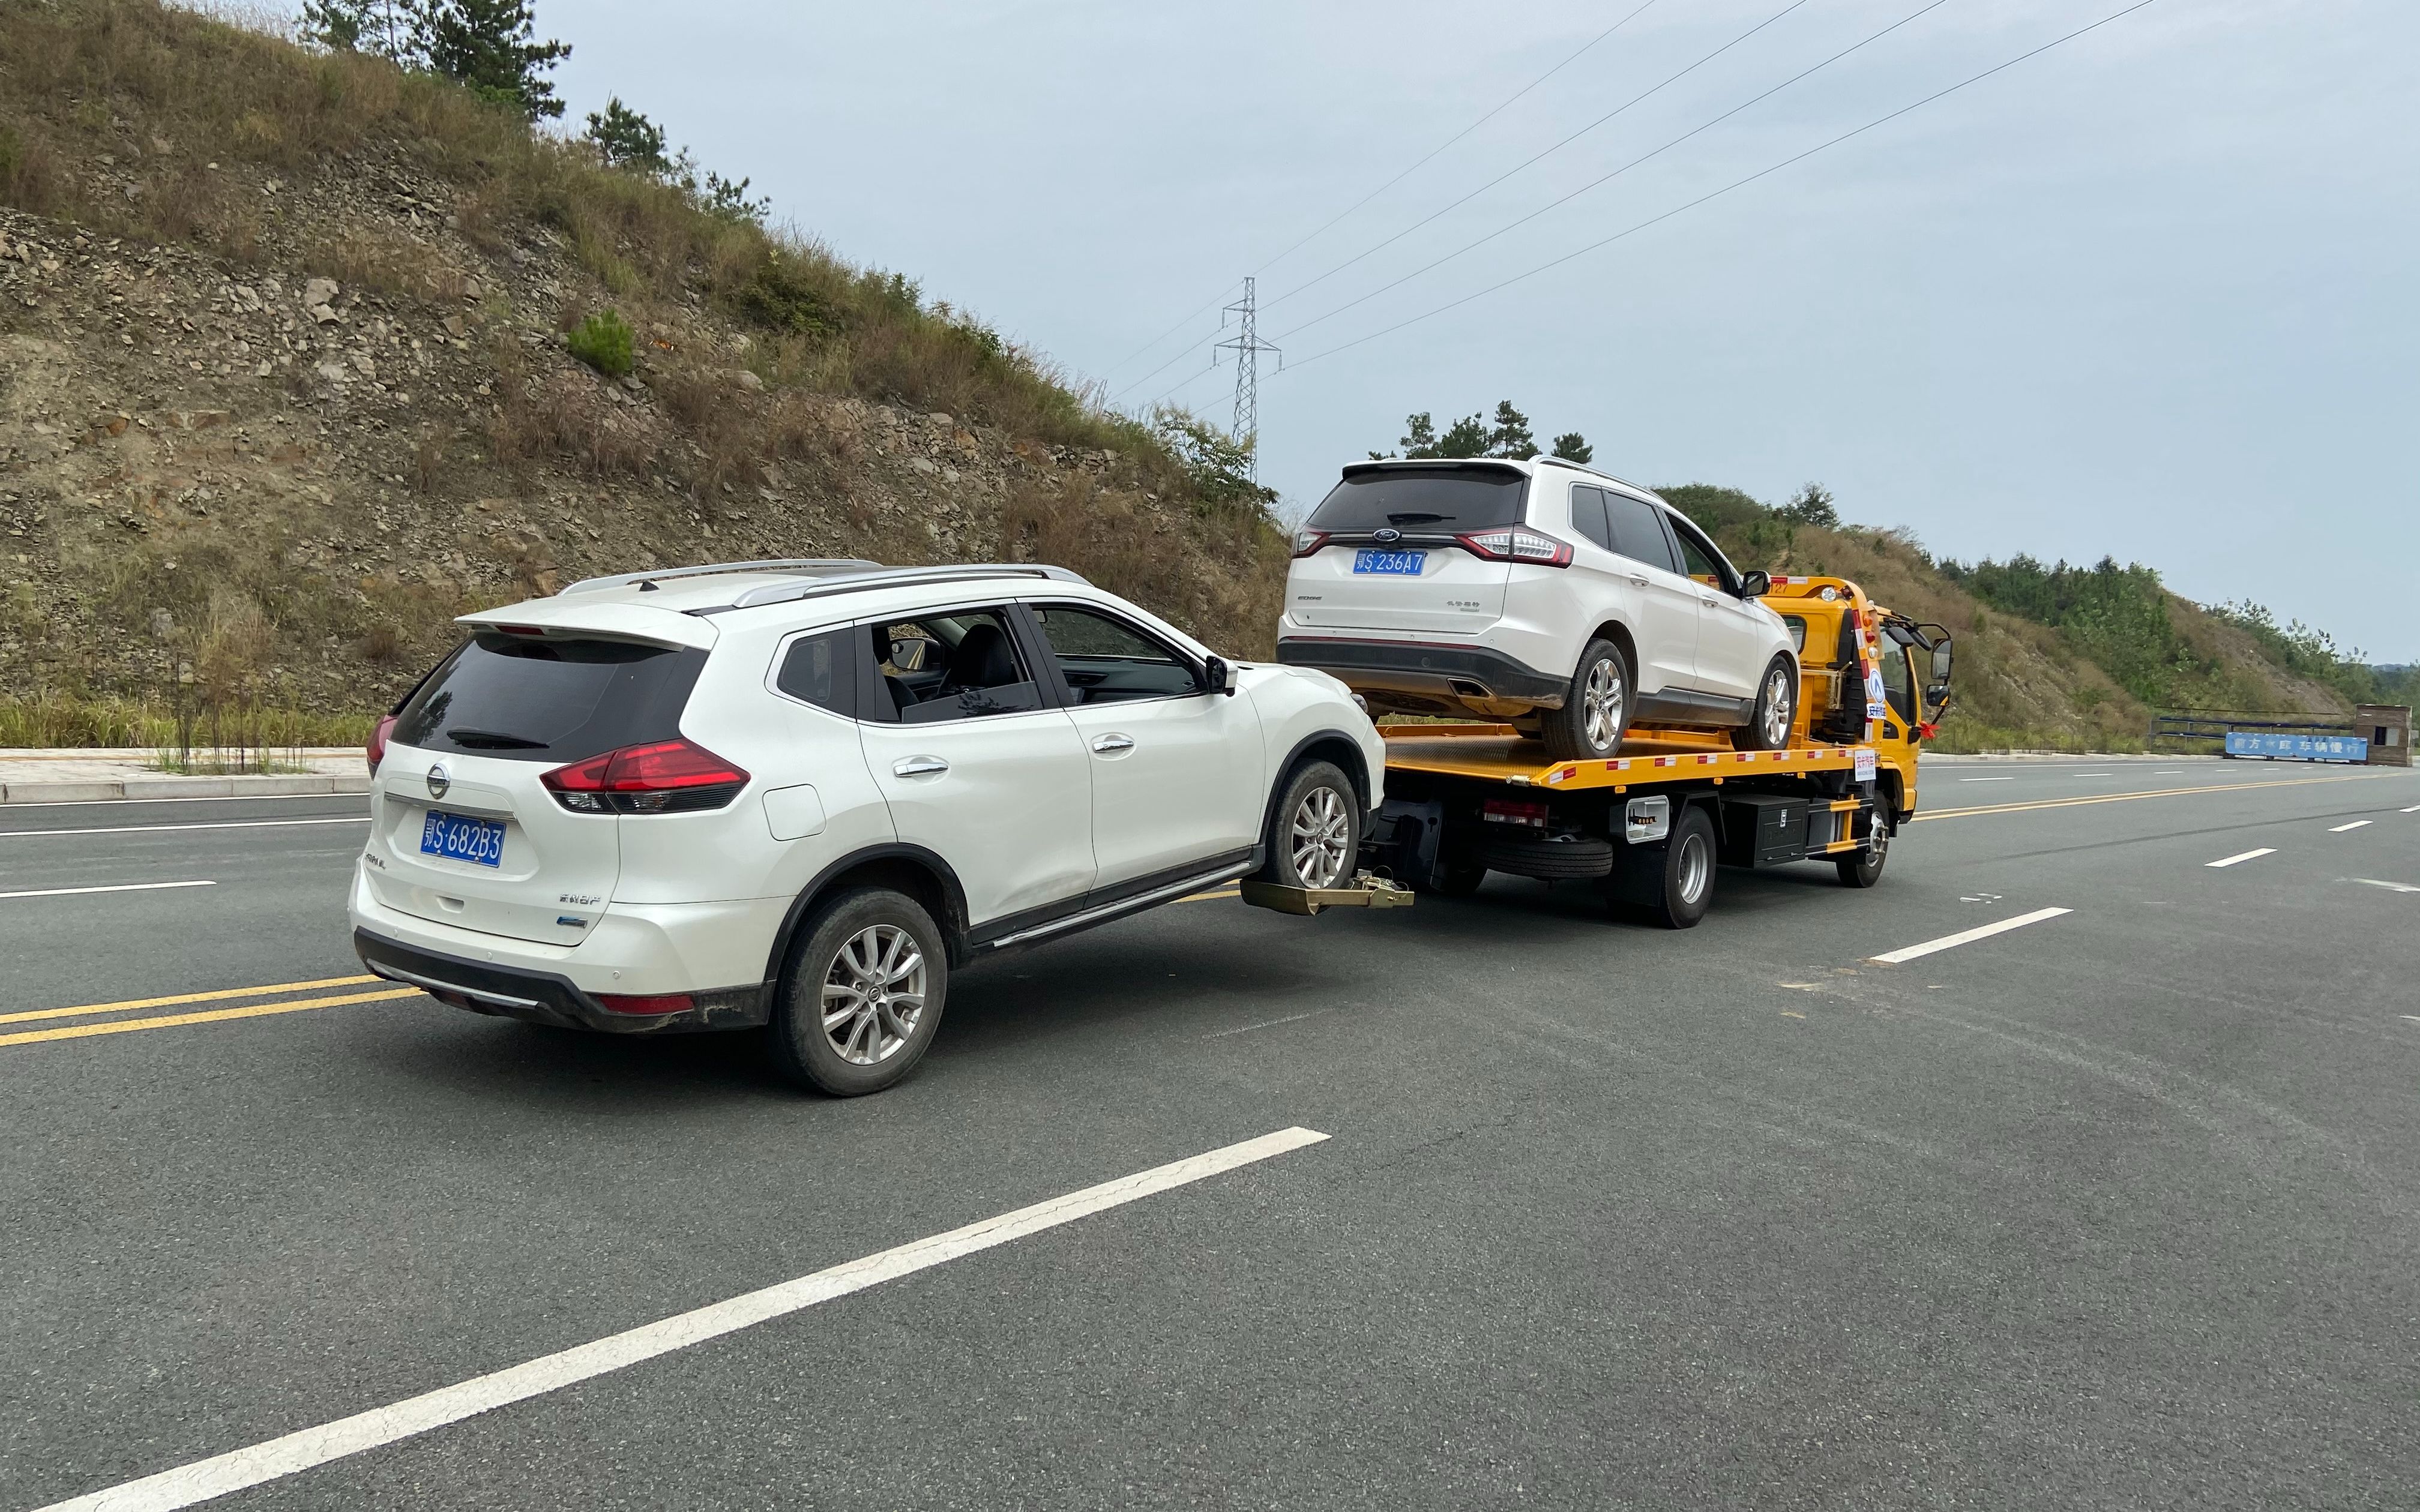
[438,781]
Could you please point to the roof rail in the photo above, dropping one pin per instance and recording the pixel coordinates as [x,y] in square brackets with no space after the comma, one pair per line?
[888,577]
[816,566]
[1378,464]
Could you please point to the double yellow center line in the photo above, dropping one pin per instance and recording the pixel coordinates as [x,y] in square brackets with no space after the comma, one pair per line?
[212,1015]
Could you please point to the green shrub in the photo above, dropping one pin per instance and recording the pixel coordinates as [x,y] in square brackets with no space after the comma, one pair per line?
[603,341]
[779,297]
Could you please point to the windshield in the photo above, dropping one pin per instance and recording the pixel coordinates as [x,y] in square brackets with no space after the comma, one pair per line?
[1422,500]
[525,699]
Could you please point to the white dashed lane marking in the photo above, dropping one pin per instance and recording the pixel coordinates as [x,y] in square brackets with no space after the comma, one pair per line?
[2246,855]
[2339,829]
[1968,936]
[123,887]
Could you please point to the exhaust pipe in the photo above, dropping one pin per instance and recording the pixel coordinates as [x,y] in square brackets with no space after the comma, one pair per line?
[1464,688]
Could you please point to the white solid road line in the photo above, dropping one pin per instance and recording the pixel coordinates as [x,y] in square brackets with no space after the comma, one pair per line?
[223,797]
[1968,936]
[123,887]
[221,823]
[2390,887]
[1987,780]
[206,1478]
[2339,829]
[2247,856]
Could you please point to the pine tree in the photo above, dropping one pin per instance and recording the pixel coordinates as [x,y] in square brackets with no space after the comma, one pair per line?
[1812,505]
[380,27]
[487,45]
[1573,447]
[1510,435]
[628,139]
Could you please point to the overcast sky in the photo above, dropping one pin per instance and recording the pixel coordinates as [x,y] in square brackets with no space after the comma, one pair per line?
[2149,294]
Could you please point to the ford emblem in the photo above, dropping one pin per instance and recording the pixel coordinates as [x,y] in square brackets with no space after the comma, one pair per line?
[1389,535]
[438,781]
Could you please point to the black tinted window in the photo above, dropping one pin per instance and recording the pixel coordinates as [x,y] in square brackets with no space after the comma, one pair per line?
[1104,661]
[527,699]
[959,666]
[821,670]
[1587,516]
[1636,534]
[1702,561]
[1444,500]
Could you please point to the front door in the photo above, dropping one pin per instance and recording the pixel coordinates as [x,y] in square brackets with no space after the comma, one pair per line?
[976,767]
[1732,635]
[1177,775]
[1666,629]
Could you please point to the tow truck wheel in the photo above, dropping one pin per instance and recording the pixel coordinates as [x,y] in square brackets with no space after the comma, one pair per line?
[1314,835]
[1688,872]
[1865,869]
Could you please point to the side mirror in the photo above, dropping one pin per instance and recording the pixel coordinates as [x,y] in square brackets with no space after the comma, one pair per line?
[1940,666]
[1755,584]
[1219,675]
[907,653]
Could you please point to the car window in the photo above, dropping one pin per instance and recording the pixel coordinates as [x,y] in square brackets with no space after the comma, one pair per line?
[1588,514]
[1106,661]
[1896,685]
[1636,533]
[1700,561]
[821,670]
[1443,499]
[550,699]
[964,665]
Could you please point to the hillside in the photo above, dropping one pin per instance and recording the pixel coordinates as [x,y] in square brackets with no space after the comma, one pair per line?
[283,387]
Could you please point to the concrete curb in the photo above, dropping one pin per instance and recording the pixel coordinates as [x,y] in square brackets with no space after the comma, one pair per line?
[107,790]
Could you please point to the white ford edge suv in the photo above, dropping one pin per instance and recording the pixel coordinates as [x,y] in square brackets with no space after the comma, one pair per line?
[1567,601]
[797,794]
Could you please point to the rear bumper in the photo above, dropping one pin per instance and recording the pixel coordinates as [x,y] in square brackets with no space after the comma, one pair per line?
[545,997]
[1423,669]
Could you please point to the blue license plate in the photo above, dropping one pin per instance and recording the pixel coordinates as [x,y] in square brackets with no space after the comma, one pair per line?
[462,837]
[1389,564]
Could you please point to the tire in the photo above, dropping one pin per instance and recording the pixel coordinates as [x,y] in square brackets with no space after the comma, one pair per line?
[1596,709]
[1584,856]
[1865,869]
[866,937]
[1688,881]
[1775,710]
[1314,834]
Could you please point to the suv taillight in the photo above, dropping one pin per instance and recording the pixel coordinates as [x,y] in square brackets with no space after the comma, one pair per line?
[1516,544]
[662,776]
[377,747]
[1307,542]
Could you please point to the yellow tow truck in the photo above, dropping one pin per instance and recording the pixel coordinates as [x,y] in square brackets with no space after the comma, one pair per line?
[1652,825]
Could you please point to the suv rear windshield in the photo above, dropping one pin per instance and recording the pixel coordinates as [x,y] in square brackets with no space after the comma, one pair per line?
[1443,501]
[549,700]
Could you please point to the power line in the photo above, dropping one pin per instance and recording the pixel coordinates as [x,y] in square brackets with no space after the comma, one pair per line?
[1205,308]
[1617,172]
[1548,153]
[1739,183]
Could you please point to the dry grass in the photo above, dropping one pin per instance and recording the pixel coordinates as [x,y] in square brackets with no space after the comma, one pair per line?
[387,264]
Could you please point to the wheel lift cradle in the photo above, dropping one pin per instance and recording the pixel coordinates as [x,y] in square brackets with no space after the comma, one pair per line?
[1460,796]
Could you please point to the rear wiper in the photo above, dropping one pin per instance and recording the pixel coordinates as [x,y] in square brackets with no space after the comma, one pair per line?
[493,740]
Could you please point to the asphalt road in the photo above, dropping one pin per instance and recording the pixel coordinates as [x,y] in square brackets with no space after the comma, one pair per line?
[2114,1209]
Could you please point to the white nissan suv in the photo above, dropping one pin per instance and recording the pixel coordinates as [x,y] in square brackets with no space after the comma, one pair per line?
[1564,600]
[797,793]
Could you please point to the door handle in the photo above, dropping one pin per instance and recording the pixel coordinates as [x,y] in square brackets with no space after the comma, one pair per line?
[1638,582]
[919,766]
[1109,744]
[1709,600]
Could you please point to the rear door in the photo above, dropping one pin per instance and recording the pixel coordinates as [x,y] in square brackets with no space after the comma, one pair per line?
[466,834]
[1176,777]
[1390,562]
[1666,624]
[976,761]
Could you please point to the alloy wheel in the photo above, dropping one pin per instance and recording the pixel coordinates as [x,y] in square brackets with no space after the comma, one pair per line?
[1601,698]
[1777,709]
[1319,834]
[874,994]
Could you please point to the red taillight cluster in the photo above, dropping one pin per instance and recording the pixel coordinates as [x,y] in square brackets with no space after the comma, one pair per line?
[379,736]
[662,776]
[1513,543]
[1307,543]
